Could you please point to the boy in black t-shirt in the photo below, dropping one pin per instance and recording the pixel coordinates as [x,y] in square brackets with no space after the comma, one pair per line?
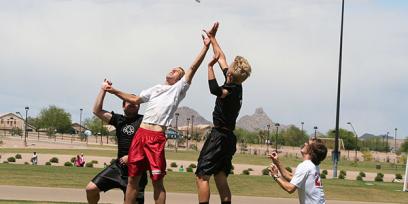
[220,146]
[116,175]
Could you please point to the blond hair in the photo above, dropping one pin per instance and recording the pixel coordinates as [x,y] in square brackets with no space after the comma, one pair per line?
[241,69]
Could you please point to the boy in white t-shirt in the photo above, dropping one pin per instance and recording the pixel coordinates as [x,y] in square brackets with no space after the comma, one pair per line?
[147,149]
[307,174]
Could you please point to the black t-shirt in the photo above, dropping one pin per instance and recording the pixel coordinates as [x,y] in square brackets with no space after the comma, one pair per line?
[125,130]
[227,109]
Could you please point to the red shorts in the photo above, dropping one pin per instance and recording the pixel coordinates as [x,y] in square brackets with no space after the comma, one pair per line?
[147,153]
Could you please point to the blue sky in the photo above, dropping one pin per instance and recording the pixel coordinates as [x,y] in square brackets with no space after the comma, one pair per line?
[58,52]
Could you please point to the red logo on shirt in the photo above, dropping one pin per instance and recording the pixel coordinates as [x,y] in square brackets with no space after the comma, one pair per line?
[318,182]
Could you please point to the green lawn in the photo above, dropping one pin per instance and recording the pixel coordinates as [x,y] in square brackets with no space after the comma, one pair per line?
[291,161]
[69,177]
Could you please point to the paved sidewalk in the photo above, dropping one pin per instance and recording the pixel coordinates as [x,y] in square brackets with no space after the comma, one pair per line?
[116,196]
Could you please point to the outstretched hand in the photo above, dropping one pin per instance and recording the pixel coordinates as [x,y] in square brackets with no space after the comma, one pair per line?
[211,33]
[206,41]
[273,169]
[107,86]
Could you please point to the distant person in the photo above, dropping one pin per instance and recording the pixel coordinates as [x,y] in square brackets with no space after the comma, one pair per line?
[220,146]
[181,169]
[34,158]
[147,148]
[307,174]
[77,161]
[82,160]
[116,174]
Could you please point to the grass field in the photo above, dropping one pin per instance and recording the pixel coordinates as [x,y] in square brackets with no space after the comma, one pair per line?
[68,177]
[238,159]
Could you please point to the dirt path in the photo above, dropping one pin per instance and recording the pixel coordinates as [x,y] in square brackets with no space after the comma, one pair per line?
[116,196]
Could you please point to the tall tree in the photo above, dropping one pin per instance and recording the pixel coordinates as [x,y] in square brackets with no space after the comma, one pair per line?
[293,136]
[55,120]
[96,126]
[348,137]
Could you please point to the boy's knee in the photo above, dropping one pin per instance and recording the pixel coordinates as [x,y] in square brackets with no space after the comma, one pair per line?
[92,188]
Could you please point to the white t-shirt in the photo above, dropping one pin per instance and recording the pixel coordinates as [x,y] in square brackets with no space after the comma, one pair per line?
[162,101]
[308,183]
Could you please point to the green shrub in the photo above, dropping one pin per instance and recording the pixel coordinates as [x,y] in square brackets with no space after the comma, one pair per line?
[265,171]
[359,178]
[68,164]
[245,172]
[169,169]
[54,160]
[250,169]
[18,156]
[325,172]
[26,163]
[342,172]
[189,169]
[192,165]
[11,159]
[48,163]
[362,174]
[73,159]
[173,164]
[289,169]
[5,162]
[380,174]
[378,166]
[94,162]
[398,176]
[342,176]
[323,176]
[378,178]
[89,164]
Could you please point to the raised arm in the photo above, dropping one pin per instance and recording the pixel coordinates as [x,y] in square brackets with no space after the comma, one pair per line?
[215,89]
[197,62]
[123,95]
[98,106]
[284,184]
[222,61]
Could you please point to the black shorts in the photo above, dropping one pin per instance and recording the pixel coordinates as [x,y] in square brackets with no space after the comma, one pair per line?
[116,176]
[217,152]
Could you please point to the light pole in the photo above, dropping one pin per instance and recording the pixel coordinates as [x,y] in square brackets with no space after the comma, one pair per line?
[302,123]
[315,131]
[177,132]
[355,133]
[25,127]
[276,137]
[267,139]
[80,125]
[386,143]
[395,140]
[188,125]
[336,140]
[192,129]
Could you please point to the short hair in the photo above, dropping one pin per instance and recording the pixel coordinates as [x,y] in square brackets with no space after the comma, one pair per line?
[317,150]
[124,102]
[182,72]
[241,69]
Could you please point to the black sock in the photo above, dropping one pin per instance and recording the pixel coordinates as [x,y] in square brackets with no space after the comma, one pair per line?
[226,202]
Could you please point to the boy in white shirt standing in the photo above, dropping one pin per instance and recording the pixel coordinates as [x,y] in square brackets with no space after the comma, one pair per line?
[307,174]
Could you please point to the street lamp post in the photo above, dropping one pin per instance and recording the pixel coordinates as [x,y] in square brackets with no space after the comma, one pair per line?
[177,132]
[386,143]
[276,137]
[302,123]
[336,141]
[395,140]
[267,139]
[355,133]
[80,125]
[188,125]
[315,131]
[192,129]
[25,127]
